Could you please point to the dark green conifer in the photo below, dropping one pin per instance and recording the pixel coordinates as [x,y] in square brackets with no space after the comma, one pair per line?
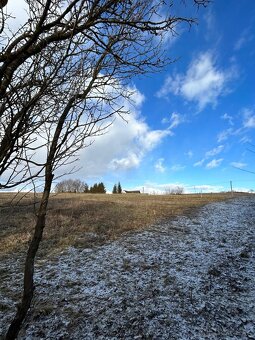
[119,189]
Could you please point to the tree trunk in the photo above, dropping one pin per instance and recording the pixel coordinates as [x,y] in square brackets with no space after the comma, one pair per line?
[3,3]
[28,287]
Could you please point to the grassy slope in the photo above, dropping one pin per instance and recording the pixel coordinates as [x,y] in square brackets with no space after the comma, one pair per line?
[84,220]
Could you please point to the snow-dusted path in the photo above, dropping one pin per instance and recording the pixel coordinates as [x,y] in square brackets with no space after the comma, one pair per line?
[190,278]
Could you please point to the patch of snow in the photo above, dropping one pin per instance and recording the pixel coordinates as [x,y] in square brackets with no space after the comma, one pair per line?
[188,278]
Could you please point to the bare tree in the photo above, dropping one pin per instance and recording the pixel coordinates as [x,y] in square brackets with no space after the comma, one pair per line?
[64,76]
[70,185]
[179,190]
[176,190]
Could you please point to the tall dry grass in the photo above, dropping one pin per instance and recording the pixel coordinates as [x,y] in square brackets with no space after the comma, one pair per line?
[85,220]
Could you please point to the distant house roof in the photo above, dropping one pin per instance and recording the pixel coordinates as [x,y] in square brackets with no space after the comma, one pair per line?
[132,191]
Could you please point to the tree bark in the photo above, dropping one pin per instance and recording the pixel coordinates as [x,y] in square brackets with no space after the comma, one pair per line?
[28,288]
[3,3]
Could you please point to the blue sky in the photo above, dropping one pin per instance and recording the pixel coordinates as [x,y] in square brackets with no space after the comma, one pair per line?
[198,113]
[193,123]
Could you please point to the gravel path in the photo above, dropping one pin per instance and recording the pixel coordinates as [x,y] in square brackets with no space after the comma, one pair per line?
[190,278]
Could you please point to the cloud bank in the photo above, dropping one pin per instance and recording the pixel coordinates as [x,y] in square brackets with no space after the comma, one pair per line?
[203,83]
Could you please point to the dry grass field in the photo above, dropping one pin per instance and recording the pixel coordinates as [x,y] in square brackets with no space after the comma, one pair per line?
[84,220]
[174,277]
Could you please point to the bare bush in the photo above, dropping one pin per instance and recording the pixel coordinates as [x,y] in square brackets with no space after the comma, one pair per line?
[70,185]
[177,190]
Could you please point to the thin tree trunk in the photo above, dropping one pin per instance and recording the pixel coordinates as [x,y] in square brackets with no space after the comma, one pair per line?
[28,288]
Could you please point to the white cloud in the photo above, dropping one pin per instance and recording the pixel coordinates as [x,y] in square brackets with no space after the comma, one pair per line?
[18,11]
[148,139]
[203,82]
[248,118]
[166,37]
[174,120]
[211,153]
[199,163]
[240,42]
[189,154]
[244,39]
[124,146]
[210,21]
[215,151]
[214,163]
[245,139]
[228,118]
[250,122]
[131,161]
[127,141]
[159,189]
[159,165]
[177,167]
[203,188]
[238,165]
[243,189]
[137,97]
[165,188]
[223,135]
[166,89]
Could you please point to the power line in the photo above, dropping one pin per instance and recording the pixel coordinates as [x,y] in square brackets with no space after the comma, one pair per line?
[251,172]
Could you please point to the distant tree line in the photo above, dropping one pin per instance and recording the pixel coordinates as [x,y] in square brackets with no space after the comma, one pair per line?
[117,189]
[178,190]
[97,188]
[76,185]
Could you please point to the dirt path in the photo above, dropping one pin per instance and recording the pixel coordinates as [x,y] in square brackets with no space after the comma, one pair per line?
[191,278]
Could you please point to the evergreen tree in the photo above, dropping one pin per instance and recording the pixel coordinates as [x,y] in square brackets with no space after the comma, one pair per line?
[101,188]
[114,190]
[86,188]
[98,188]
[119,189]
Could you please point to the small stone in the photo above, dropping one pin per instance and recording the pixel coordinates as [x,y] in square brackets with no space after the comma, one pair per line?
[214,272]
[244,254]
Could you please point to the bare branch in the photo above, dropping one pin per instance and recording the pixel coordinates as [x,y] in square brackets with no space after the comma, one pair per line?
[64,76]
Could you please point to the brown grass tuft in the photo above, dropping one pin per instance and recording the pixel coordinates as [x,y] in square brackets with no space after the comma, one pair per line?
[85,220]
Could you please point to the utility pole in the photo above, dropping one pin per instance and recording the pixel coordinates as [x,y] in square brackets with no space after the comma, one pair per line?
[231,188]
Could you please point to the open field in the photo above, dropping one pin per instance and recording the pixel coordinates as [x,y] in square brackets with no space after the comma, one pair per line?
[188,277]
[82,220]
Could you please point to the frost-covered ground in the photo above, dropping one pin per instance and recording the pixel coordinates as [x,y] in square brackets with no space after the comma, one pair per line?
[190,278]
